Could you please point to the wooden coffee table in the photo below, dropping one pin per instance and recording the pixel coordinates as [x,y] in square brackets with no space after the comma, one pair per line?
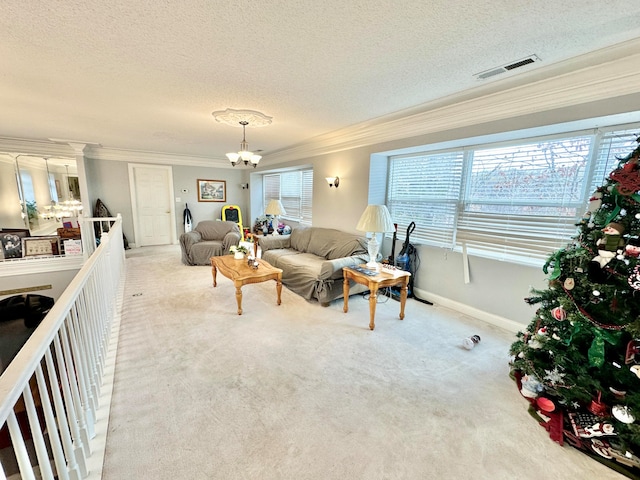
[380,279]
[242,274]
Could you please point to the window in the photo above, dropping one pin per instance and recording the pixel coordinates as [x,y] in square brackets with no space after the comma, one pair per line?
[295,190]
[26,187]
[522,199]
[518,201]
[52,188]
[426,189]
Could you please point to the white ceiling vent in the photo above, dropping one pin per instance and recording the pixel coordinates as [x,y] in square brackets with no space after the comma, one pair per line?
[505,68]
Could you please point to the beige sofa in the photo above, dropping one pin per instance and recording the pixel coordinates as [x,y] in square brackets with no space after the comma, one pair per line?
[312,259]
[210,238]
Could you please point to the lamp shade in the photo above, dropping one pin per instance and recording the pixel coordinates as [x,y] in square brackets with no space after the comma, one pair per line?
[376,218]
[275,208]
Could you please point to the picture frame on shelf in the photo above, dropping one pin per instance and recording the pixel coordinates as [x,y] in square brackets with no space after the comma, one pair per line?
[72,247]
[11,242]
[212,190]
[41,246]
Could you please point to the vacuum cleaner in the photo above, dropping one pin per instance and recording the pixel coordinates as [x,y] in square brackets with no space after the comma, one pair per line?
[408,261]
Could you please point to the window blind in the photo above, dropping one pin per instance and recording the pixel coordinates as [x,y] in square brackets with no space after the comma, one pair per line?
[613,145]
[513,201]
[295,190]
[307,197]
[290,194]
[270,188]
[426,189]
[524,199]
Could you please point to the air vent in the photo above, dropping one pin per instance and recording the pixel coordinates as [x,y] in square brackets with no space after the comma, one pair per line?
[508,67]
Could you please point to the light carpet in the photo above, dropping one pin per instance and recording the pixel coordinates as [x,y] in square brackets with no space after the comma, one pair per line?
[300,391]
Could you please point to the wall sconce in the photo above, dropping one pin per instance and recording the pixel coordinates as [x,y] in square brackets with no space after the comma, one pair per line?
[333,181]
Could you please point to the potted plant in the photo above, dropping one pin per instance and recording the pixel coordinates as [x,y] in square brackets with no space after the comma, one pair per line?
[239,251]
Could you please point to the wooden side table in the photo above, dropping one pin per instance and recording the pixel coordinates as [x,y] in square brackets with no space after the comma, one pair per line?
[381,278]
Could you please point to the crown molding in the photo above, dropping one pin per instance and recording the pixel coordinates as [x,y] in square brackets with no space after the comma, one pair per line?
[604,74]
[157,158]
[51,148]
[616,75]
[36,147]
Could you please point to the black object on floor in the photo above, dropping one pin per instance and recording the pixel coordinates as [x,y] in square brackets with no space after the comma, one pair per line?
[30,307]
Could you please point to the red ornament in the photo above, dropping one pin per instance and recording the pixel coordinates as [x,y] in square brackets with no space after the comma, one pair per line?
[559,314]
[597,407]
[545,404]
[628,178]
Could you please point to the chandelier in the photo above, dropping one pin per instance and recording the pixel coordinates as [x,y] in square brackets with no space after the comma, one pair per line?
[60,210]
[56,209]
[242,117]
[244,155]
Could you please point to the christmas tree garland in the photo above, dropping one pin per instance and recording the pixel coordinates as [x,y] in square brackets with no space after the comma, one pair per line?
[588,317]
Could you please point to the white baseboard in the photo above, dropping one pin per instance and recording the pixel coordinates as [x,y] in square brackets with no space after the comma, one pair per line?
[490,318]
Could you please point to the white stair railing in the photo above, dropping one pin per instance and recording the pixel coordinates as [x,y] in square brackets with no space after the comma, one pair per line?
[49,392]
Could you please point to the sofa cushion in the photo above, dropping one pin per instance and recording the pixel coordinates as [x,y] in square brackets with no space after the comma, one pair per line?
[273,256]
[202,252]
[347,247]
[215,230]
[274,242]
[300,237]
[331,244]
[308,261]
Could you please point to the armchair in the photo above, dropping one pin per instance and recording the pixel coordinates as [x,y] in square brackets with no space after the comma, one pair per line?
[210,238]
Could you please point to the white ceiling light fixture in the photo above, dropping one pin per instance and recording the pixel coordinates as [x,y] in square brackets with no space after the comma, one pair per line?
[243,118]
[244,155]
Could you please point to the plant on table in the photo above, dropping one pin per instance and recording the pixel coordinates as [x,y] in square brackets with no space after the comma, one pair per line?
[238,248]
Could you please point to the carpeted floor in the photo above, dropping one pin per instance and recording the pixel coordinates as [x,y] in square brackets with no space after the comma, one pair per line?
[300,392]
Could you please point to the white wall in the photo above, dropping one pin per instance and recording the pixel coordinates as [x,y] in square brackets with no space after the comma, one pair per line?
[108,181]
[185,177]
[495,288]
[54,283]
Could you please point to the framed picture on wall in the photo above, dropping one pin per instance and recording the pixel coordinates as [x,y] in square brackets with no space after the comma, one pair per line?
[212,190]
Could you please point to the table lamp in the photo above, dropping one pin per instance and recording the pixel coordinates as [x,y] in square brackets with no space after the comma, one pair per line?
[275,209]
[375,219]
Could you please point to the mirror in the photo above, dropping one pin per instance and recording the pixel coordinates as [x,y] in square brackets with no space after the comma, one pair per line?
[37,192]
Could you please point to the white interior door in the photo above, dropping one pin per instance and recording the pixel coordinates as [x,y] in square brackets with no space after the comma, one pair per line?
[152,204]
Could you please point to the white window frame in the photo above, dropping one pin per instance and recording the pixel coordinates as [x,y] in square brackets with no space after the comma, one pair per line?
[298,201]
[525,239]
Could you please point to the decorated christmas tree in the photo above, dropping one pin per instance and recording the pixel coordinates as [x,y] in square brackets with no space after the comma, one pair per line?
[578,361]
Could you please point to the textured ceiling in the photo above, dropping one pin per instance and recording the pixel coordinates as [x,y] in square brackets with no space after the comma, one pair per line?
[146,75]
